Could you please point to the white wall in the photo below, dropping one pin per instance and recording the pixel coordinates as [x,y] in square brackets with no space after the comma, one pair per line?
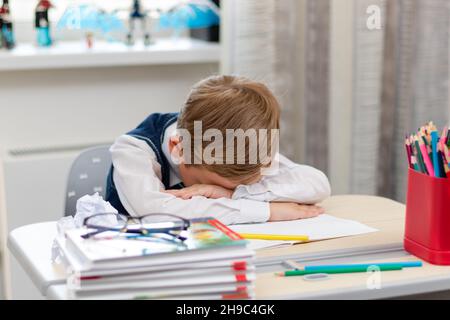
[55,107]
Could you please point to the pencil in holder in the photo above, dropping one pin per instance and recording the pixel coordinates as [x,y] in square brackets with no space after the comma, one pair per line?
[427,226]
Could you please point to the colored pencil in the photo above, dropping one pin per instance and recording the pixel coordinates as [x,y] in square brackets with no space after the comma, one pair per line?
[443,140]
[408,264]
[447,170]
[420,161]
[446,153]
[445,160]
[428,151]
[443,149]
[414,162]
[435,153]
[355,269]
[409,152]
[448,138]
[250,236]
[426,158]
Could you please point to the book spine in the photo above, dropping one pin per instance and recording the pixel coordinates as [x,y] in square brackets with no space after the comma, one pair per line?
[240,265]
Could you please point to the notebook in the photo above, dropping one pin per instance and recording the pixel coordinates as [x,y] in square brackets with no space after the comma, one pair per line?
[319,228]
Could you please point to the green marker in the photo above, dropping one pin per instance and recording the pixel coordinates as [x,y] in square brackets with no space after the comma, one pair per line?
[354,269]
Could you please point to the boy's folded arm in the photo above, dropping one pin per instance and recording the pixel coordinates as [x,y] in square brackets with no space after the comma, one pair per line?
[226,210]
[139,199]
[291,183]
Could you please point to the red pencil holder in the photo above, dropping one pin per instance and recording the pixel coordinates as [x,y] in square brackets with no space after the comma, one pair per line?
[427,230]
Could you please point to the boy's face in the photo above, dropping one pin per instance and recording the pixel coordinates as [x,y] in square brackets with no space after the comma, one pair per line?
[192,175]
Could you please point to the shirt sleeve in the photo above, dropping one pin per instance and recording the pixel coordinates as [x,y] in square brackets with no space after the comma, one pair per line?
[137,176]
[290,183]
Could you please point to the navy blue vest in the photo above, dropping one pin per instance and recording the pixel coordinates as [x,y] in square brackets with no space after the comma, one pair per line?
[152,132]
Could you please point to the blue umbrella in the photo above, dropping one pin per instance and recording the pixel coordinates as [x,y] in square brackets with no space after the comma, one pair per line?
[190,15]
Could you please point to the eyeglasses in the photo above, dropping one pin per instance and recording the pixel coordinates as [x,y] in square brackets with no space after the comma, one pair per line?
[151,227]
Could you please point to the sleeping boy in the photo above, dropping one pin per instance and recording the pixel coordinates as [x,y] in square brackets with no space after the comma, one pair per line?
[207,161]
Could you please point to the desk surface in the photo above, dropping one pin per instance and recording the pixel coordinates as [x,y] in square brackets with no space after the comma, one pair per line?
[385,245]
[32,246]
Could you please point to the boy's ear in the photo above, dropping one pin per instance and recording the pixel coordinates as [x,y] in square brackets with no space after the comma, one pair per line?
[173,142]
[175,149]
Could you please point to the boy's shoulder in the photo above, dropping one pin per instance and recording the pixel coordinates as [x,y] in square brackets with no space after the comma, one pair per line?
[155,124]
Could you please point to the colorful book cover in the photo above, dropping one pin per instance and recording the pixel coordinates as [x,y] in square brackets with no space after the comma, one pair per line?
[203,234]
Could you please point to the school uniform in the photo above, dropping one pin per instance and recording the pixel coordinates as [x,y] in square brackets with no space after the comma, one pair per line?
[142,168]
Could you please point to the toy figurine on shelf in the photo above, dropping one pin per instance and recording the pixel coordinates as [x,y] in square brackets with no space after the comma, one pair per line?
[1,32]
[6,31]
[42,23]
[190,14]
[137,13]
[91,20]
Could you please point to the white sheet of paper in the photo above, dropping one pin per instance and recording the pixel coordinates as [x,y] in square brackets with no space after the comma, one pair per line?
[319,228]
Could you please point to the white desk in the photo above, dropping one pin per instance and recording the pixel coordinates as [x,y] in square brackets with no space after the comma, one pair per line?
[33,252]
[31,246]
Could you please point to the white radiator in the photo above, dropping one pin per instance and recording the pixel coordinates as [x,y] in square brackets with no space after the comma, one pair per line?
[34,190]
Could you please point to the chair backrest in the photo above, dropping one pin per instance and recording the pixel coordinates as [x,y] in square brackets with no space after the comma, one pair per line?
[87,176]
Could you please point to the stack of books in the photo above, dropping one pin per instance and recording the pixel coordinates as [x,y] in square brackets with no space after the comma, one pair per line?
[213,263]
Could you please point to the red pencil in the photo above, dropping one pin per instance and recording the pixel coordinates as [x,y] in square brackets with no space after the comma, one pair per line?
[408,151]
[445,159]
[444,136]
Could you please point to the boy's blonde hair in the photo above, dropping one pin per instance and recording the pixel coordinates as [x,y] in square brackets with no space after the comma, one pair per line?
[230,102]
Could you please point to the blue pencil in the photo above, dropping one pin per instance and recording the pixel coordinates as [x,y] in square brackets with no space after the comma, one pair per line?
[434,145]
[411,264]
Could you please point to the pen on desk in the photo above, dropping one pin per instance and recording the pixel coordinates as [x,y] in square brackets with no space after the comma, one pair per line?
[293,273]
[407,264]
[250,236]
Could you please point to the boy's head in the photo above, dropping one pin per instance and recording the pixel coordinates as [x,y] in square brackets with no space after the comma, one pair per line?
[238,121]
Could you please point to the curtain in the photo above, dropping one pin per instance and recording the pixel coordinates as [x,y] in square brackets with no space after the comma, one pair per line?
[367,72]
[268,43]
[400,77]
[415,82]
[263,48]
[316,75]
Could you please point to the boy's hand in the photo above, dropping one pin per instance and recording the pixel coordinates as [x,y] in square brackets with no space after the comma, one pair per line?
[204,190]
[292,211]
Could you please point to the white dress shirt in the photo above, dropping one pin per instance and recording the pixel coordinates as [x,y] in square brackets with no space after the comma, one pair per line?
[138,180]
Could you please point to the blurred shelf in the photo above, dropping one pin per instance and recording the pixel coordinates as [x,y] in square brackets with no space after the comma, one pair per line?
[65,55]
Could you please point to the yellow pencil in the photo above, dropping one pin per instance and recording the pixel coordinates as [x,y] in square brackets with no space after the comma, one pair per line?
[250,236]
